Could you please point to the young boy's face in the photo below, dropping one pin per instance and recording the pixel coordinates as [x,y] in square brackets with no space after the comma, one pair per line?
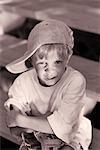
[50,69]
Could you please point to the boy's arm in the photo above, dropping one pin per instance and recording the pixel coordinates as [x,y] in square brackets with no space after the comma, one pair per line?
[16,131]
[40,124]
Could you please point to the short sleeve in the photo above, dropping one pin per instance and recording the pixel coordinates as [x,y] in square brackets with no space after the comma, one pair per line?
[64,120]
[17,95]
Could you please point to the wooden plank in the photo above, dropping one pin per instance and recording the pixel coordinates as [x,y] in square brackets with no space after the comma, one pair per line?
[11,48]
[77,14]
[96,140]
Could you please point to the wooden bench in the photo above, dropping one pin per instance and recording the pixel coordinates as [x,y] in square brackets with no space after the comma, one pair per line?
[82,15]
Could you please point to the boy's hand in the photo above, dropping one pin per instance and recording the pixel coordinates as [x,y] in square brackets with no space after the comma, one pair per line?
[12,118]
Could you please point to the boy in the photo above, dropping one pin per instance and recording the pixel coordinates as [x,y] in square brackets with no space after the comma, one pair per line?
[49,94]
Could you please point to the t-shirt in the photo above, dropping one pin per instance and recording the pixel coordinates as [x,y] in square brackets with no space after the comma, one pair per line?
[62,103]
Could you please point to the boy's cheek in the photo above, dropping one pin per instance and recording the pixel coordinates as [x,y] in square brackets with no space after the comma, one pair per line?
[40,73]
[60,68]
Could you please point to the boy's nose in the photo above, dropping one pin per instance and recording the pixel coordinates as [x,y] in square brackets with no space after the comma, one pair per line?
[51,73]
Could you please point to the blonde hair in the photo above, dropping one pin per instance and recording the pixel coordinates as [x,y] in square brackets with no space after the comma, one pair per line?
[62,50]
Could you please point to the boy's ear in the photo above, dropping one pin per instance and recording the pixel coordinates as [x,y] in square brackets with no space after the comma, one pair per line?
[33,61]
[28,63]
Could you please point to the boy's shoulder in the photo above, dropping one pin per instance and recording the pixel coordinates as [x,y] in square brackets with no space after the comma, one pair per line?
[74,73]
[26,75]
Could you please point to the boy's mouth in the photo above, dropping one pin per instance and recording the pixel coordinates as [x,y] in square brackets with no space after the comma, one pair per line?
[51,78]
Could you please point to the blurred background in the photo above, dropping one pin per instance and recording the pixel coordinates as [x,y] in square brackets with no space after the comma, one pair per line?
[18,17]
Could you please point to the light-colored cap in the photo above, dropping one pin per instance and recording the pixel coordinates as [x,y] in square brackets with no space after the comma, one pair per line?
[46,32]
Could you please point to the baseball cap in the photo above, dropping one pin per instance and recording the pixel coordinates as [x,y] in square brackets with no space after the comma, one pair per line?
[46,32]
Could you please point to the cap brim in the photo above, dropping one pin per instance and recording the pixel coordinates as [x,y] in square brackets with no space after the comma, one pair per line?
[18,66]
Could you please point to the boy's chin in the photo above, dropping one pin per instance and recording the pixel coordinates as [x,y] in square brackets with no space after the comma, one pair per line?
[48,84]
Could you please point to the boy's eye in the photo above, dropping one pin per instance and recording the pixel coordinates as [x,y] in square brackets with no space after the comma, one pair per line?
[39,62]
